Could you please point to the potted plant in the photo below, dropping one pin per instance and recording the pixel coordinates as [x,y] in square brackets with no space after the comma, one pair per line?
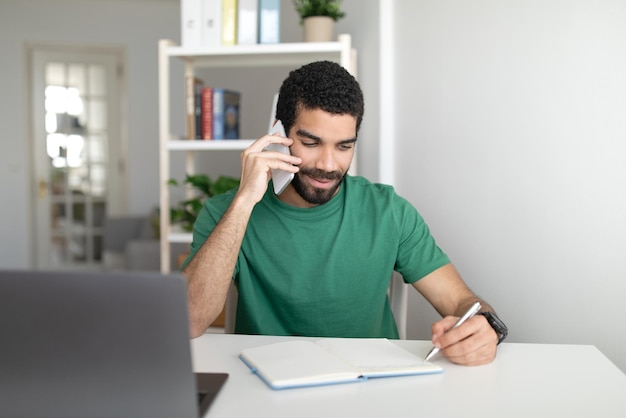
[318,18]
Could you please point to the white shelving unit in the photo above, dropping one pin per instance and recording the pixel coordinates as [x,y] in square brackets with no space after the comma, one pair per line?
[250,56]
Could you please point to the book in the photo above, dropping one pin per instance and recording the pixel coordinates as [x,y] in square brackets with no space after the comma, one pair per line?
[229,22]
[269,21]
[232,114]
[191,29]
[197,107]
[226,113]
[247,22]
[211,24]
[207,113]
[294,364]
[191,85]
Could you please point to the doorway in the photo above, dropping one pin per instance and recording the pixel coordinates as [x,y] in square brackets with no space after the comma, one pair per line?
[78,152]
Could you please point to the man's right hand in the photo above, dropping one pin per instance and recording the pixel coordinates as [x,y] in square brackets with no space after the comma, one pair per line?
[256,166]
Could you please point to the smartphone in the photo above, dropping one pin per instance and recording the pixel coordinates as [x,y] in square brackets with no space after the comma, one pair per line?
[280,178]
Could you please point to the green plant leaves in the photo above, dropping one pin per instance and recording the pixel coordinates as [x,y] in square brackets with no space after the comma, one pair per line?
[308,8]
[186,211]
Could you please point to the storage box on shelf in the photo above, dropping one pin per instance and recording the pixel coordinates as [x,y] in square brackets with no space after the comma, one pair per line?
[250,56]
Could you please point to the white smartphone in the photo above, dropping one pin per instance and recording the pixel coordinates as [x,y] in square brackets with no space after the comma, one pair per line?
[280,178]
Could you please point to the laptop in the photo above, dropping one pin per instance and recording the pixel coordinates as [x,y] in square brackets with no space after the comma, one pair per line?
[93,344]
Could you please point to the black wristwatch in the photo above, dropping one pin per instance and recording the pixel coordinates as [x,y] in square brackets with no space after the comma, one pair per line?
[497,325]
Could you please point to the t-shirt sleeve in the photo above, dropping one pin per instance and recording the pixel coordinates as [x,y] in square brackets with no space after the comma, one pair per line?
[418,253]
[208,217]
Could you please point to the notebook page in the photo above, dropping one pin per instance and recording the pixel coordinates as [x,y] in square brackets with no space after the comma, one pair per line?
[297,363]
[377,356]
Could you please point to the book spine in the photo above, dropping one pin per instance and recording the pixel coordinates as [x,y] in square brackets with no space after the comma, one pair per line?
[218,113]
[231,114]
[189,108]
[229,22]
[269,21]
[197,106]
[191,30]
[247,22]
[207,113]
[211,24]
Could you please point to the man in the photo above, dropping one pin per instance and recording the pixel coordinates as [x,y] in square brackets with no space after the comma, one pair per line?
[316,260]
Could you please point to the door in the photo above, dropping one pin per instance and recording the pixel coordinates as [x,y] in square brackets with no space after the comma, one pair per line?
[78,160]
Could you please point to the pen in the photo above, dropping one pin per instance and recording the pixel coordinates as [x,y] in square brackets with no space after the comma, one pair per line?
[470,313]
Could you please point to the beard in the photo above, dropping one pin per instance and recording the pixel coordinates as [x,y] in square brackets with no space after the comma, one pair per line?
[314,195]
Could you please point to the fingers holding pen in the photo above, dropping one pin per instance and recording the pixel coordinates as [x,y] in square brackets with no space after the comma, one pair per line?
[471,343]
[440,328]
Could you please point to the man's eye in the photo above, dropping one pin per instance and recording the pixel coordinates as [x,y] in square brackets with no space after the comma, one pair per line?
[309,144]
[345,147]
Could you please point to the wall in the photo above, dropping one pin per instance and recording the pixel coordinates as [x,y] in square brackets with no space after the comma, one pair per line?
[511,141]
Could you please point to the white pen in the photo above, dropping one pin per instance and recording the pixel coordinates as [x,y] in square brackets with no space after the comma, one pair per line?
[470,313]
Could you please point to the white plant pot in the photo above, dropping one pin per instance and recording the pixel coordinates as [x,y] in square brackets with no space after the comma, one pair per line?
[318,29]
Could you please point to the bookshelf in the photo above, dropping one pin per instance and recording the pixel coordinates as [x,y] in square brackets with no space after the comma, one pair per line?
[238,56]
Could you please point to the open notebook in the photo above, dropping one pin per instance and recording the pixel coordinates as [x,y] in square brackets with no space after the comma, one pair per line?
[292,364]
[94,345]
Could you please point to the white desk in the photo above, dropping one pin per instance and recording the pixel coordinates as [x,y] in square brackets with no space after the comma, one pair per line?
[525,380]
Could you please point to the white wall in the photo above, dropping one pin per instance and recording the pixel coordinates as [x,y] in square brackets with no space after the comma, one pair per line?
[511,141]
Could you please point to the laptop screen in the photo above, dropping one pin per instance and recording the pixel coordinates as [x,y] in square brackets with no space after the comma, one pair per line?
[92,344]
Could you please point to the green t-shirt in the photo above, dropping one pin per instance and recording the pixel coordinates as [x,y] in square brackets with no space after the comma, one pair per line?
[324,271]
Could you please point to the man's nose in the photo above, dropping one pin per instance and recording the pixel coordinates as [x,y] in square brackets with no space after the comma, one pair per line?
[326,160]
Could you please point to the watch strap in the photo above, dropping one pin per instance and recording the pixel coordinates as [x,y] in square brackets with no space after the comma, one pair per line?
[496,323]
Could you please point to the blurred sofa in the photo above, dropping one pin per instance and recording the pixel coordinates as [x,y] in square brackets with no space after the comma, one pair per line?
[130,243]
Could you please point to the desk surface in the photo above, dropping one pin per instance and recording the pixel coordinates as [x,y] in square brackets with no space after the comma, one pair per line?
[525,380]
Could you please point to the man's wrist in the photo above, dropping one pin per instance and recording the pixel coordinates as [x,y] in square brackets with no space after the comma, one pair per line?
[242,204]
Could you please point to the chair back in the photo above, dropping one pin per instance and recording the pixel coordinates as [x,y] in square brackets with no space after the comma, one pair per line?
[399,301]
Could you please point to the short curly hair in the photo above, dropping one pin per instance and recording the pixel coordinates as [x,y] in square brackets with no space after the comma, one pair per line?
[322,85]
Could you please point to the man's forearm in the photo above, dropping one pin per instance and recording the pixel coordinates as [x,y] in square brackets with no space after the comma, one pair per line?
[210,271]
